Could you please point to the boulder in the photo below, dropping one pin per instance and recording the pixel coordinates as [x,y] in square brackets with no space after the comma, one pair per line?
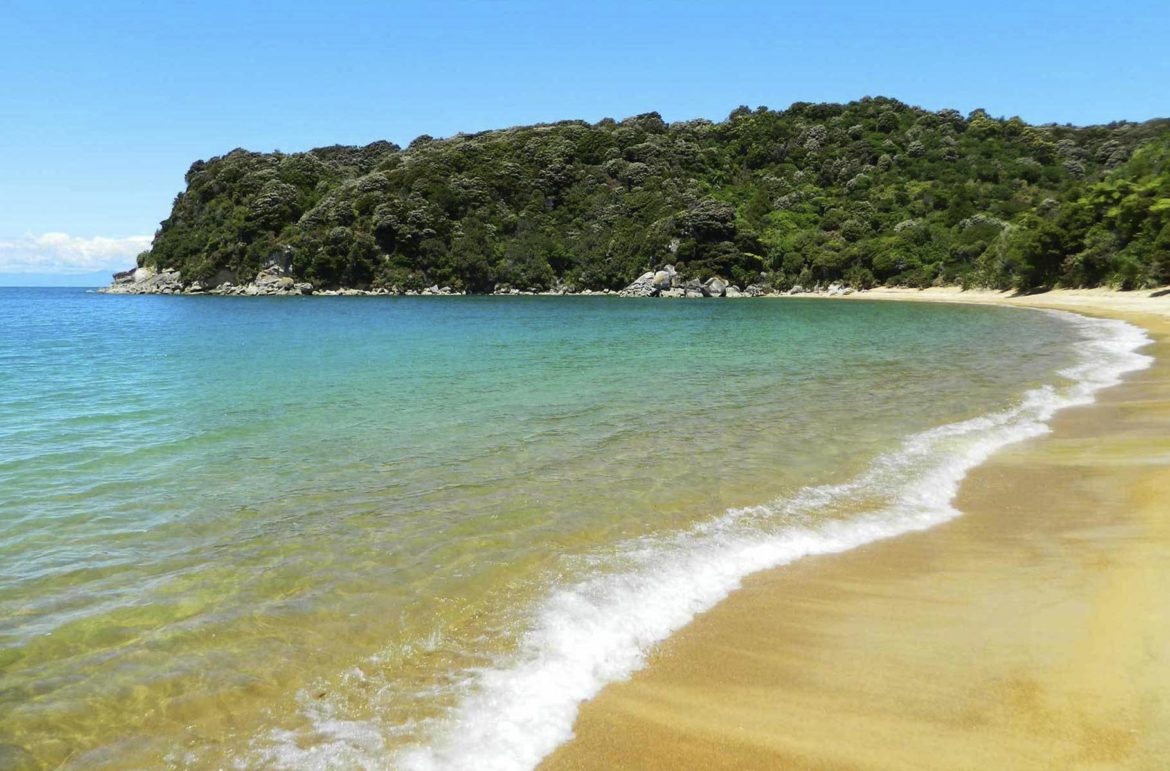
[661,280]
[643,286]
[714,287]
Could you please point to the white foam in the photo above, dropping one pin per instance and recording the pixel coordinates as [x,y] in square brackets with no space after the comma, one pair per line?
[599,630]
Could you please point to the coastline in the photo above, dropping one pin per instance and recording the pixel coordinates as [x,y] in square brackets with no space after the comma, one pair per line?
[1028,633]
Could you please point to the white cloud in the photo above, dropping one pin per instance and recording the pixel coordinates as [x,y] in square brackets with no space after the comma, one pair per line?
[63,253]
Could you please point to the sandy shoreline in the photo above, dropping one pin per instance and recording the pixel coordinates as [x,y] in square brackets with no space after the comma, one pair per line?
[1032,632]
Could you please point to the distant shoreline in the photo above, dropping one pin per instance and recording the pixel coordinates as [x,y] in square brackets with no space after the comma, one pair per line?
[1096,301]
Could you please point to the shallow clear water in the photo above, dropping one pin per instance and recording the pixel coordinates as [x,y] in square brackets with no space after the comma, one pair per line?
[372,531]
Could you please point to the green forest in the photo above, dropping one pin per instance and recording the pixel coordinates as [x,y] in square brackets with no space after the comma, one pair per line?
[873,192]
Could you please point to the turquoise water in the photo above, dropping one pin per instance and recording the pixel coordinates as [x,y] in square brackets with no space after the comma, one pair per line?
[344,532]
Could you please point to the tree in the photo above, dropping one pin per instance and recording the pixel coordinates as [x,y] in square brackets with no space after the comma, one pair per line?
[870,190]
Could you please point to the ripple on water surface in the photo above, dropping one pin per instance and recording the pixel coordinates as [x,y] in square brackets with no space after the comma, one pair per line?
[330,530]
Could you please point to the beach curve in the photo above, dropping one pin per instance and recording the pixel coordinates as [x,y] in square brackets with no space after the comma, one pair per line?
[1024,634]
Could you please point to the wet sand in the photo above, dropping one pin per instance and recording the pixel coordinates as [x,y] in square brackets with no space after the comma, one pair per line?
[1031,633]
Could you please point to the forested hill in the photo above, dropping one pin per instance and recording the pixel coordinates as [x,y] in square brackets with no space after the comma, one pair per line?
[870,192]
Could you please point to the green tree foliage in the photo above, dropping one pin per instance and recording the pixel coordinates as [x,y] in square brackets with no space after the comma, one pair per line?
[870,192]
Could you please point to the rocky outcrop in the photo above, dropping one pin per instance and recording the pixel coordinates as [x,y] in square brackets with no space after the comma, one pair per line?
[668,283]
[270,281]
[642,286]
[276,279]
[263,286]
[145,281]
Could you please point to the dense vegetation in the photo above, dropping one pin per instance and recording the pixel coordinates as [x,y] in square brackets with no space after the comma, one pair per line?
[870,192]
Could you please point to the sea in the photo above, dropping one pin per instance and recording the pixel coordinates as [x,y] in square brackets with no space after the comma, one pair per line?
[417,532]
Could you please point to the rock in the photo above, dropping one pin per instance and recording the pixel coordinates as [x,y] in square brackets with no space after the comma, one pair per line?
[643,286]
[693,293]
[732,291]
[274,280]
[146,281]
[673,293]
[124,277]
[666,278]
[715,287]
[798,289]
[753,290]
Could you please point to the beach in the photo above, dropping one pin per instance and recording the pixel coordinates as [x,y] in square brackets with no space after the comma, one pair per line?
[420,531]
[1031,632]
[256,562]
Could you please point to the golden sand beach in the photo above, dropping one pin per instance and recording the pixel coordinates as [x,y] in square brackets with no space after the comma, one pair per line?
[1033,632]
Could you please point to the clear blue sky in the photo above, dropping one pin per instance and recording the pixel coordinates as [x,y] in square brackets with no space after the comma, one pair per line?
[103,106]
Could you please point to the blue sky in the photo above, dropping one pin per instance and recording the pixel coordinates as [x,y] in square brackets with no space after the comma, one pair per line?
[103,106]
